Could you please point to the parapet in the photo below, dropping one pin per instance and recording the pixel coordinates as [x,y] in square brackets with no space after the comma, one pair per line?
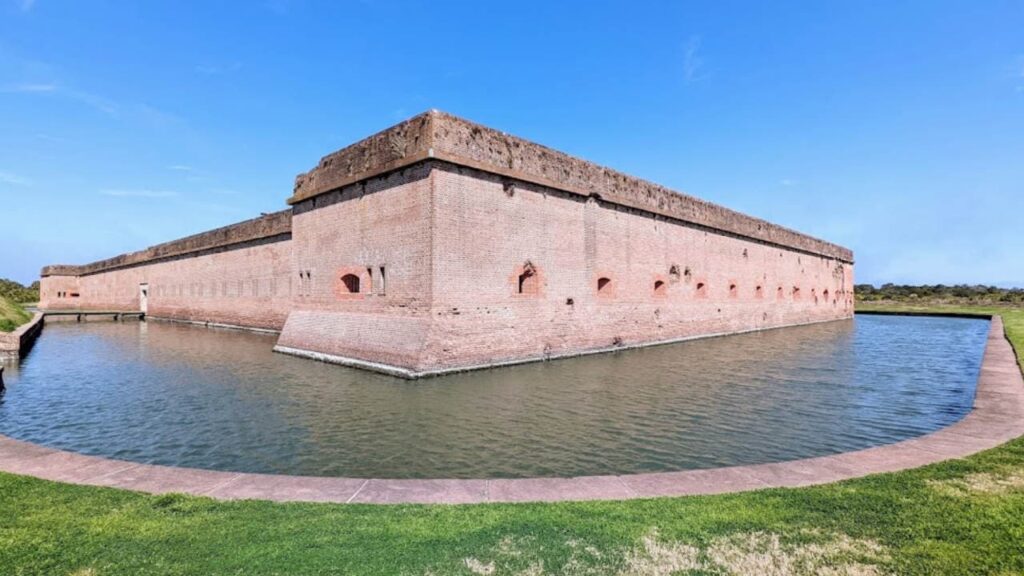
[441,136]
[265,226]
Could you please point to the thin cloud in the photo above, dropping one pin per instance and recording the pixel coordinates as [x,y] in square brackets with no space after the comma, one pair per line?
[180,168]
[214,207]
[27,5]
[52,138]
[142,193]
[280,7]
[10,178]
[1014,73]
[692,61]
[153,116]
[209,69]
[30,88]
[142,113]
[53,89]
[789,182]
[97,102]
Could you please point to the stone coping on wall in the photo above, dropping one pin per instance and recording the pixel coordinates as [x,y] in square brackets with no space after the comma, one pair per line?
[997,416]
[14,344]
[265,226]
[442,136]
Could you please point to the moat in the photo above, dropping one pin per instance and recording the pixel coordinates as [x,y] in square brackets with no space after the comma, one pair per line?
[218,399]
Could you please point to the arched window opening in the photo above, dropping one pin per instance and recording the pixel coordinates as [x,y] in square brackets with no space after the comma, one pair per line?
[604,285]
[796,292]
[780,294]
[758,292]
[733,291]
[659,287]
[702,289]
[528,281]
[350,283]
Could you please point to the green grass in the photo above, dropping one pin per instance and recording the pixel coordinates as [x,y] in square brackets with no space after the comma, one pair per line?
[11,315]
[959,517]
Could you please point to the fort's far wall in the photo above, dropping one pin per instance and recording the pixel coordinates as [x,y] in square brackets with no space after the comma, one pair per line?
[237,275]
[666,280]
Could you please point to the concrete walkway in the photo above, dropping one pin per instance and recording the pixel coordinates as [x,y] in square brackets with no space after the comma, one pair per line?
[998,416]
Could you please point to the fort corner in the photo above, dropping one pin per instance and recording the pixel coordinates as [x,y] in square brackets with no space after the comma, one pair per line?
[439,245]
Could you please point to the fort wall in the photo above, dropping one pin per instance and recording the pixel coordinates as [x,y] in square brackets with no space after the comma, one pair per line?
[439,244]
[437,135]
[379,232]
[602,276]
[239,275]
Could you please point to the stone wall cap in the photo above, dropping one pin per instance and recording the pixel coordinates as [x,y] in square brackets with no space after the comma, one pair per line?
[442,136]
[264,226]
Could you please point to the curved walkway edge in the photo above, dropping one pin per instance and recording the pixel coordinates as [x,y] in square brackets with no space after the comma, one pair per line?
[998,416]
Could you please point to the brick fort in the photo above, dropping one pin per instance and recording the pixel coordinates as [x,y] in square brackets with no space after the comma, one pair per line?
[440,245]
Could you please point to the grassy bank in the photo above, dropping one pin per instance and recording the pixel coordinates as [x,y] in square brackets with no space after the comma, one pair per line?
[959,517]
[11,315]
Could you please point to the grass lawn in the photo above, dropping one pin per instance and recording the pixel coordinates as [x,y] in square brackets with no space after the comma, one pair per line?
[959,517]
[11,315]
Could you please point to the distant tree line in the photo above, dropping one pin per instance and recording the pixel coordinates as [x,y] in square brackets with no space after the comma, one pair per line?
[17,292]
[940,293]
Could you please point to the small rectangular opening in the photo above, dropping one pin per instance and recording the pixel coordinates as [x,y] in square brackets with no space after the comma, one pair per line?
[382,282]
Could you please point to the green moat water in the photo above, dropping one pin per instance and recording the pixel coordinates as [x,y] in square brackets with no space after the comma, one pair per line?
[190,396]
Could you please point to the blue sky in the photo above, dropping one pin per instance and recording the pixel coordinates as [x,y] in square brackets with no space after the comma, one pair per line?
[894,128]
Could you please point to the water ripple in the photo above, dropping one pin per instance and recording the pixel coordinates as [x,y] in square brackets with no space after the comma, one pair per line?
[188,396]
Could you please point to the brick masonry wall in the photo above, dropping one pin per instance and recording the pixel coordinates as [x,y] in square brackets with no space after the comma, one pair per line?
[265,226]
[455,245]
[384,222]
[456,240]
[487,229]
[248,285]
[437,135]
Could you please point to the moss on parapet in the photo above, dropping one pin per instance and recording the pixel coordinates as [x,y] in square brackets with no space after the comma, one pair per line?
[277,224]
[440,136]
